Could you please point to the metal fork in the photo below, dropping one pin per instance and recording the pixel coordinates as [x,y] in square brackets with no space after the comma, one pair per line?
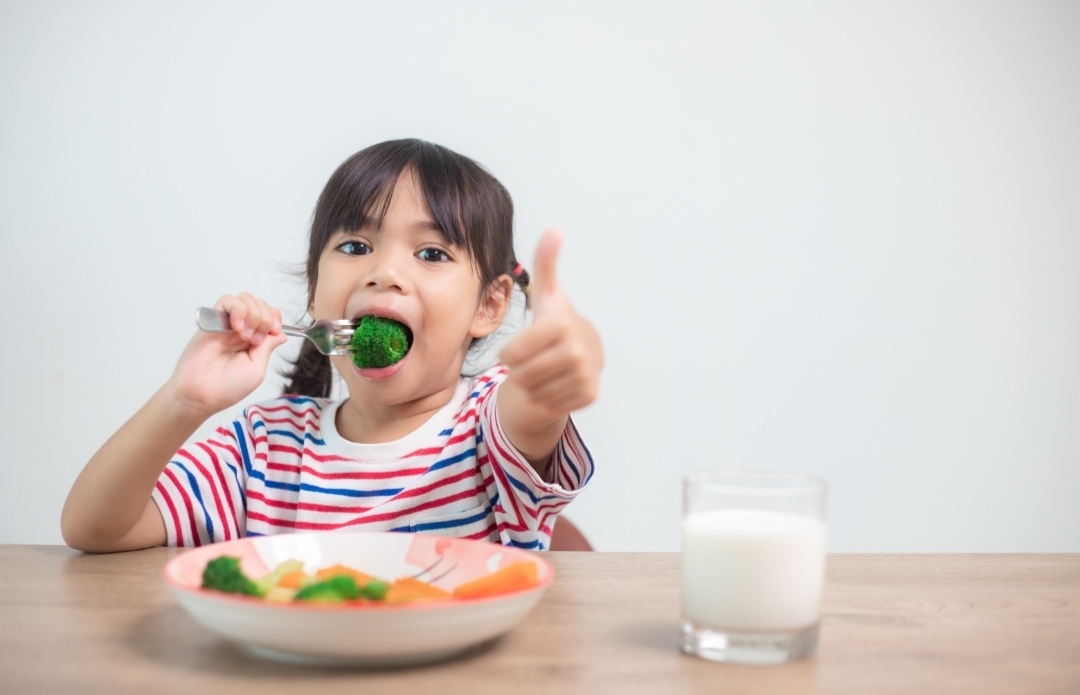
[330,337]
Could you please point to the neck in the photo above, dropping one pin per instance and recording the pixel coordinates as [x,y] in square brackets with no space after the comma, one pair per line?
[372,423]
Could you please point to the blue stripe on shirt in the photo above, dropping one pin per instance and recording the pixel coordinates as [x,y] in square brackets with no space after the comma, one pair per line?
[198,496]
[592,468]
[443,463]
[523,487]
[347,492]
[236,477]
[259,475]
[308,437]
[561,457]
[341,492]
[241,441]
[451,523]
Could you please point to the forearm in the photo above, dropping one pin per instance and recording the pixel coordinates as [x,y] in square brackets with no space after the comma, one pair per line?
[532,430]
[110,497]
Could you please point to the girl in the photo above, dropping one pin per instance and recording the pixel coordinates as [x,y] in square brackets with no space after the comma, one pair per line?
[406,230]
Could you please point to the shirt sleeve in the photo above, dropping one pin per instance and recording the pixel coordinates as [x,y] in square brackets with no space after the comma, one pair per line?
[200,494]
[525,505]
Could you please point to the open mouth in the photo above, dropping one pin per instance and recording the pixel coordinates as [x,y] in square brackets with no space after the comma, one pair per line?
[380,342]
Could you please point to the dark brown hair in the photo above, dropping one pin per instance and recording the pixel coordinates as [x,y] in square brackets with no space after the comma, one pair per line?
[472,209]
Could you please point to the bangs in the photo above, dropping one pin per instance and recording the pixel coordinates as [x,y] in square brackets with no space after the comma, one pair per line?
[471,209]
[359,193]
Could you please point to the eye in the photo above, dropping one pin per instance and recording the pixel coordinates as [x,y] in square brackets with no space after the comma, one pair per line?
[354,248]
[433,254]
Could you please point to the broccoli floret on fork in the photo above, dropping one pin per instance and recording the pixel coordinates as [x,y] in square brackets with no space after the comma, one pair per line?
[379,342]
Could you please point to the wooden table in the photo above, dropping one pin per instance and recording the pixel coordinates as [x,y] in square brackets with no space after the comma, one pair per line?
[74,623]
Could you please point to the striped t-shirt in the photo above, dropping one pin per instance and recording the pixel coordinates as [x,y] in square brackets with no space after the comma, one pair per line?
[282,466]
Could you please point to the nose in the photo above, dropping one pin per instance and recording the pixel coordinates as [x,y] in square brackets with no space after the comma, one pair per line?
[385,270]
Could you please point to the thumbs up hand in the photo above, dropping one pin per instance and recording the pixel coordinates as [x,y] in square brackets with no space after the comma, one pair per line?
[554,363]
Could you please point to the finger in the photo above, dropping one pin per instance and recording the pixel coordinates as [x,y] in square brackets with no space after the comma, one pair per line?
[254,315]
[571,403]
[237,311]
[545,366]
[556,371]
[261,352]
[534,339]
[544,278]
[250,318]
[264,321]
[563,396]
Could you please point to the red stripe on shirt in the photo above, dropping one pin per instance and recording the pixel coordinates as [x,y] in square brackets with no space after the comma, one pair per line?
[195,540]
[213,490]
[305,506]
[177,531]
[286,407]
[229,520]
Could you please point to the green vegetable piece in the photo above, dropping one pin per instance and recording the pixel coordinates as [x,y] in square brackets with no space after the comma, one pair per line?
[336,589]
[375,590]
[224,574]
[268,582]
[379,342]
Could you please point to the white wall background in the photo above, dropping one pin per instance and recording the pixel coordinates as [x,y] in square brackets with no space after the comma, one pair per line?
[832,237]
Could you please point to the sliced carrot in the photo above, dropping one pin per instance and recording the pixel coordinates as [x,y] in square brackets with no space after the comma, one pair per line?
[513,577]
[409,589]
[292,580]
[362,579]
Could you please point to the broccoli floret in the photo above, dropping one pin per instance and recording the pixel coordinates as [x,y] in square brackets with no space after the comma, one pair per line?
[224,574]
[375,590]
[336,589]
[379,342]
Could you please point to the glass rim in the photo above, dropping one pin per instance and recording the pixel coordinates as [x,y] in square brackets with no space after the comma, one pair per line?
[802,483]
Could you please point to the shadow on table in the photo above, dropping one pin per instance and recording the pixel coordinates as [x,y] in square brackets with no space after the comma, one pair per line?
[661,635]
[666,636]
[173,638]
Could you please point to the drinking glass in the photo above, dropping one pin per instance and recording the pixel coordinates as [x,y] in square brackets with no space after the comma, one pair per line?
[753,565]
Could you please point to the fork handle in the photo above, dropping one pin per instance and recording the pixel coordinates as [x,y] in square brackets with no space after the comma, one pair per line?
[217,321]
[212,320]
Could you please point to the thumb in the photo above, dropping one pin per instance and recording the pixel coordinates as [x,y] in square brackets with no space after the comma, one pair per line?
[544,278]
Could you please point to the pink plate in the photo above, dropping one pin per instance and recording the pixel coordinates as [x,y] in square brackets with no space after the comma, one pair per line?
[363,634]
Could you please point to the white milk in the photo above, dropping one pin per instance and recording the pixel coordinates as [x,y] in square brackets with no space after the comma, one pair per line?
[752,570]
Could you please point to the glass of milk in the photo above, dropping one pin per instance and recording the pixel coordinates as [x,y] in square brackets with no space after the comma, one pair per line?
[753,565]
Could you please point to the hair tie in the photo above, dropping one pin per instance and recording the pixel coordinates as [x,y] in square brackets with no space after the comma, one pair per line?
[516,272]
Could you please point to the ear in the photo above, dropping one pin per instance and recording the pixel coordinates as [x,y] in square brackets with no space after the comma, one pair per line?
[493,305]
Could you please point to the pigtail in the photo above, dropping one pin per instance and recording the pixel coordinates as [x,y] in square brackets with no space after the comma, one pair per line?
[311,374]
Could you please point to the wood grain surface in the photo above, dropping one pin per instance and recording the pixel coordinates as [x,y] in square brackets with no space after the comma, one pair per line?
[75,623]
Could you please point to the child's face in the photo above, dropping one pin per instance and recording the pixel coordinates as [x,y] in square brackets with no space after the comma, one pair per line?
[406,271]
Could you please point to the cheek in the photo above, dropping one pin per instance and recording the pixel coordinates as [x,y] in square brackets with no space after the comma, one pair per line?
[322,299]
